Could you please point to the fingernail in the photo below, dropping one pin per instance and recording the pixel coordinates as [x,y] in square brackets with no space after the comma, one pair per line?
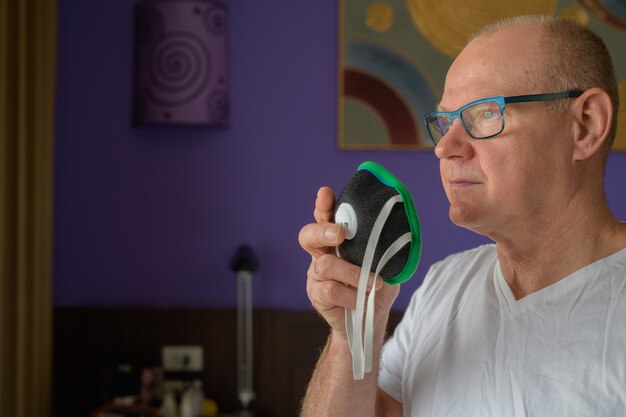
[331,233]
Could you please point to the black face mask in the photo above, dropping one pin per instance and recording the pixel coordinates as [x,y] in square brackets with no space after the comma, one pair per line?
[358,208]
[382,236]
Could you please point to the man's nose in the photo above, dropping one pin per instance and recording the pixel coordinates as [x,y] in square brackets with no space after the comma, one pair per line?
[455,143]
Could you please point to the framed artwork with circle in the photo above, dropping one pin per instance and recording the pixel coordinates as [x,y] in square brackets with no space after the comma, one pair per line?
[394,55]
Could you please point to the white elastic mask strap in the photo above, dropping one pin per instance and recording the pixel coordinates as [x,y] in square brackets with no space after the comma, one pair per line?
[354,319]
[368,341]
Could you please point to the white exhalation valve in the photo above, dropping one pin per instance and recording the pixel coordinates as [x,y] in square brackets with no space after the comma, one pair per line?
[346,217]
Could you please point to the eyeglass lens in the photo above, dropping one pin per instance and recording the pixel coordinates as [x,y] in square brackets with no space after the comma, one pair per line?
[480,121]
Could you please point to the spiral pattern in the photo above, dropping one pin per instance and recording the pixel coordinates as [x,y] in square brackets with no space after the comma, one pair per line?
[218,106]
[379,16]
[215,21]
[180,68]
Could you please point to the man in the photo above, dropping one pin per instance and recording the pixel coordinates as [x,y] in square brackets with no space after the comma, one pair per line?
[534,325]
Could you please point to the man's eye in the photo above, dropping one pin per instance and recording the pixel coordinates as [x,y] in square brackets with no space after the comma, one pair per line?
[487,114]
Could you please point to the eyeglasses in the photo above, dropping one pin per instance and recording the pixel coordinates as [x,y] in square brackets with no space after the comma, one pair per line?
[484,118]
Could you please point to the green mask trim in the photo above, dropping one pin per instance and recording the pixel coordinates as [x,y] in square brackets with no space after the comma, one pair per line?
[415,252]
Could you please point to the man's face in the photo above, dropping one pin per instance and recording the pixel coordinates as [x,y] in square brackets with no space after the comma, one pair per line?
[521,178]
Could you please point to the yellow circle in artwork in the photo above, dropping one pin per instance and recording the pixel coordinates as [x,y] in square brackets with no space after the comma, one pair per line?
[447,24]
[620,139]
[576,14]
[379,16]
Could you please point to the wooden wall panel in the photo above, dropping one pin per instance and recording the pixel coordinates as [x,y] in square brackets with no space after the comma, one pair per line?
[89,340]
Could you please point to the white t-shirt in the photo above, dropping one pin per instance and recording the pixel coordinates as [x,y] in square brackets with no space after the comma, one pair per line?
[466,347]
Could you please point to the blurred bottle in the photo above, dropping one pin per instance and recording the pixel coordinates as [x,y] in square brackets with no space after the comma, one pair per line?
[192,402]
[168,408]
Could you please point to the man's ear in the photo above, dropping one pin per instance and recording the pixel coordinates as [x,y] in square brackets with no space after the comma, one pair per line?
[593,112]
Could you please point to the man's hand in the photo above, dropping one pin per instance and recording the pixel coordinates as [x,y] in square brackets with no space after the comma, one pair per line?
[332,282]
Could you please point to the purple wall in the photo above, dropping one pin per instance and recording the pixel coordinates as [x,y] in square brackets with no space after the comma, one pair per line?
[152,216]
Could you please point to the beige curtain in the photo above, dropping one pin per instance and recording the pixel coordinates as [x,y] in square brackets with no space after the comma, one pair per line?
[27,79]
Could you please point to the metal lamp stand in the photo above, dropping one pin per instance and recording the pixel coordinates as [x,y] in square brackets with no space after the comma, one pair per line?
[245,264]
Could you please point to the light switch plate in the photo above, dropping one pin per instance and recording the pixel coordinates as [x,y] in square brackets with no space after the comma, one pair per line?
[182,358]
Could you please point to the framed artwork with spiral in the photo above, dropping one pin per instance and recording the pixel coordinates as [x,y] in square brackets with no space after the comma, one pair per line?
[394,55]
[181,69]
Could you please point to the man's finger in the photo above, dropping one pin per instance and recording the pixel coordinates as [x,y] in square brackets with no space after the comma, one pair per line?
[331,294]
[318,239]
[324,205]
[328,267]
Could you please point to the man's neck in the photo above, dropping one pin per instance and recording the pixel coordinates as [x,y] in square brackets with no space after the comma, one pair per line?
[556,250]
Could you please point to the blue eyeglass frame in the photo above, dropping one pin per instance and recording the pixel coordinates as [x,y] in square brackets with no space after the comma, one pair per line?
[501,101]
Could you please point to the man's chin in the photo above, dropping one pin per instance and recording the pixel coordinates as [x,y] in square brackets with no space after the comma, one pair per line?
[461,214]
[466,216]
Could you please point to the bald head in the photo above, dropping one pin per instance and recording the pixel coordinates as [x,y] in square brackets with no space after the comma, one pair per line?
[571,57]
